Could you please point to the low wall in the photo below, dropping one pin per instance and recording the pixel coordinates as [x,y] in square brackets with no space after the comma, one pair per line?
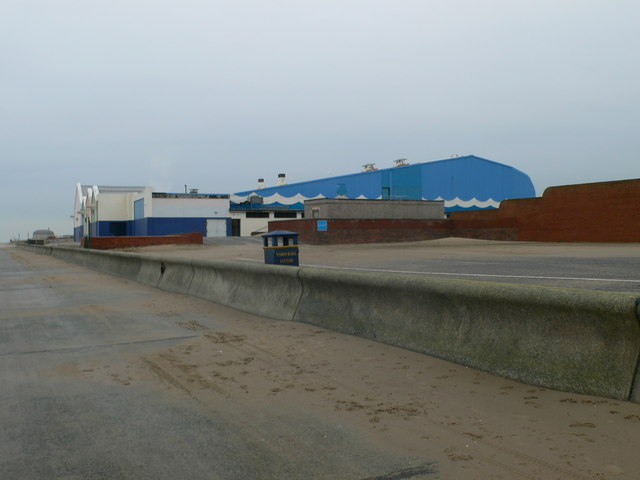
[572,340]
[340,231]
[109,243]
[483,224]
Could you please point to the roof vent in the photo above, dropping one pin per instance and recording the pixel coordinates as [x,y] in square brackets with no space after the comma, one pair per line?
[261,183]
[401,162]
[369,167]
[193,190]
[282,179]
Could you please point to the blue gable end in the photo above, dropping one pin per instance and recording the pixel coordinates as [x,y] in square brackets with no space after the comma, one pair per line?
[471,177]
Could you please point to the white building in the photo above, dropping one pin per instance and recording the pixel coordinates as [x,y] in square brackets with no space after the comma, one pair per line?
[139,211]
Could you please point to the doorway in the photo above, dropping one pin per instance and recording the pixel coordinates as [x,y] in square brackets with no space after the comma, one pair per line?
[216,227]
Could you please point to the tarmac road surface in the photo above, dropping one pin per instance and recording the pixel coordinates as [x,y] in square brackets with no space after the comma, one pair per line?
[102,378]
[591,266]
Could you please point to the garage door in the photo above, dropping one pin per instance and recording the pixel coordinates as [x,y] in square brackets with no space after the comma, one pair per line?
[216,227]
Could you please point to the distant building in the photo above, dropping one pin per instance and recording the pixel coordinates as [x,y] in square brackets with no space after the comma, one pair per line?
[43,235]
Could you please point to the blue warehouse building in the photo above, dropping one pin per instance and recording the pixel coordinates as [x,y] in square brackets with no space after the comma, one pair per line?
[464,183]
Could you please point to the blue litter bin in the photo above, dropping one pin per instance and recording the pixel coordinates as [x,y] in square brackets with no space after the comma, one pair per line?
[281,248]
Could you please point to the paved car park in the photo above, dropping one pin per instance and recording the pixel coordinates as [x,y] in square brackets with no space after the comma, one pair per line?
[611,267]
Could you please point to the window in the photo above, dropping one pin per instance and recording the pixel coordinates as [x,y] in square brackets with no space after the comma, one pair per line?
[284,214]
[257,214]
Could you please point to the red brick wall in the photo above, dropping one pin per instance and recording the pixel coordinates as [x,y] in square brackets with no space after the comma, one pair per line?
[365,231]
[483,224]
[108,243]
[596,212]
[590,212]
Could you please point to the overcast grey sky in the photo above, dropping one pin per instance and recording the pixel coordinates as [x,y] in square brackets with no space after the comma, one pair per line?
[215,94]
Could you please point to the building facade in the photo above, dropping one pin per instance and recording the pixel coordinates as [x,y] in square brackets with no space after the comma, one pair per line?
[350,209]
[139,211]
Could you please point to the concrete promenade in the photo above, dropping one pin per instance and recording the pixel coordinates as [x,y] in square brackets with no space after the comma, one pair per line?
[105,378]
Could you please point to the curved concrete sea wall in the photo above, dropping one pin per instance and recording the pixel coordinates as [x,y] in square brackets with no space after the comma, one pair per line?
[571,340]
[268,290]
